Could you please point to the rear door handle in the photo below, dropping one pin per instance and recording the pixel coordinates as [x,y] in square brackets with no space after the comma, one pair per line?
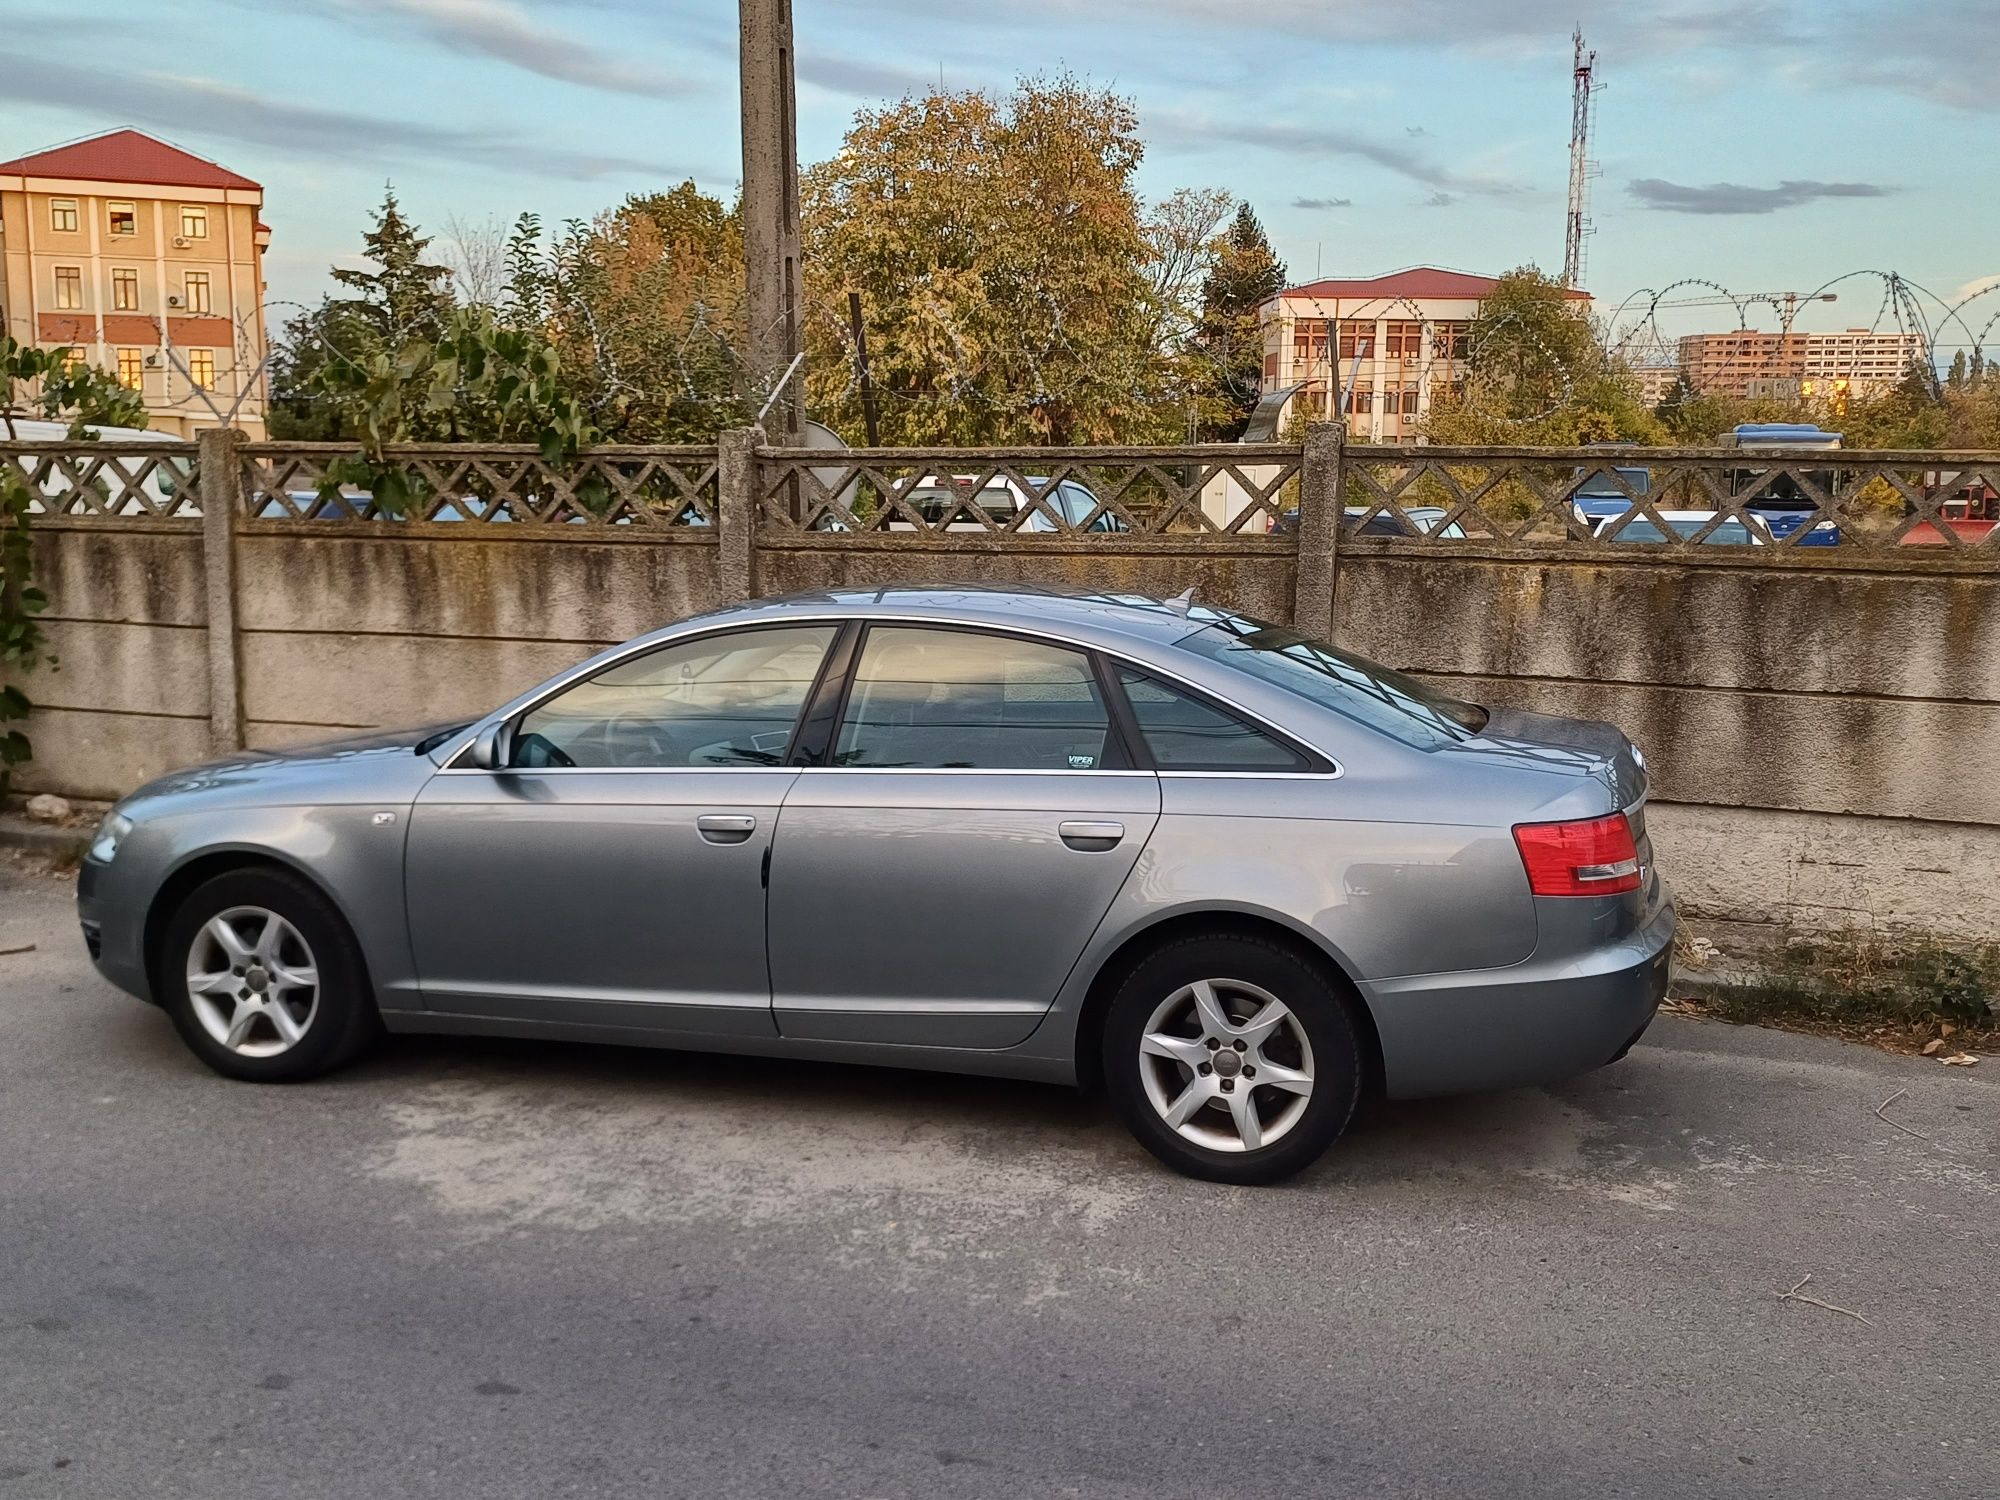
[1091,836]
[726,828]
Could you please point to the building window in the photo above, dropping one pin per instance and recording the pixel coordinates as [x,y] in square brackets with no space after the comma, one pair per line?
[1309,341]
[62,215]
[125,290]
[1451,340]
[197,291]
[72,357]
[1354,334]
[1364,401]
[201,368]
[194,221]
[1409,395]
[124,218]
[69,288]
[1405,340]
[131,369]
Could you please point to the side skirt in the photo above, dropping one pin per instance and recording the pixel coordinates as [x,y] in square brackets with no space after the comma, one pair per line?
[988,1064]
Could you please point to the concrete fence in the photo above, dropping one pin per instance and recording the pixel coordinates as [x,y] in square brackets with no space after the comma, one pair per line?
[1821,710]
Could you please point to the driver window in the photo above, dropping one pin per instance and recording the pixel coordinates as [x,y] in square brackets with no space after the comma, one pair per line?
[728,700]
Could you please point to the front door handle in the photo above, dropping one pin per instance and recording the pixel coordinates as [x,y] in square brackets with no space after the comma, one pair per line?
[726,828]
[1091,837]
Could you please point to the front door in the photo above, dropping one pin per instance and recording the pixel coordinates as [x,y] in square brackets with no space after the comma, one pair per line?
[612,873]
[936,882]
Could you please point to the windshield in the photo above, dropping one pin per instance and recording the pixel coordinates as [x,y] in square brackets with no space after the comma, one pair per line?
[1383,699]
[1639,529]
[1076,503]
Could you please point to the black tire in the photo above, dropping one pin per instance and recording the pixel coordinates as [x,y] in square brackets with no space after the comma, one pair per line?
[342,1018]
[1320,1011]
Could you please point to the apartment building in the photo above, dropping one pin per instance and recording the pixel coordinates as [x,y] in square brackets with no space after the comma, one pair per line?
[1378,347]
[146,260]
[1749,362]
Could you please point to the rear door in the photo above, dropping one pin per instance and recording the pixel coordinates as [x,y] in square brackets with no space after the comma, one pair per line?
[935,879]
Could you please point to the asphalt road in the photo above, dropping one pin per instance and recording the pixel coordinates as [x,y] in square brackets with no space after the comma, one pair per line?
[496,1270]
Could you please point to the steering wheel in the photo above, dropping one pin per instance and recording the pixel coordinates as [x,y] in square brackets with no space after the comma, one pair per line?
[627,740]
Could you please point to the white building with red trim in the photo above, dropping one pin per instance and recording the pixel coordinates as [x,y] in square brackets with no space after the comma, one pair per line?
[146,260]
[1376,348]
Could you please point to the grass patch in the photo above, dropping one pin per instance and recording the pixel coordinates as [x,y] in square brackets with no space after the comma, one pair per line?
[1903,992]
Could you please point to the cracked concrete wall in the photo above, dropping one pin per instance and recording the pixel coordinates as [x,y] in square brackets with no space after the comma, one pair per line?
[1824,736]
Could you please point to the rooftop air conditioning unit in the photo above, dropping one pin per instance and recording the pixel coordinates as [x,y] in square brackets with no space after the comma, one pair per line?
[181,242]
[173,302]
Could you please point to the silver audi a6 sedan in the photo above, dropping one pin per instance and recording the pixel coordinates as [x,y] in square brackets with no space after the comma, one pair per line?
[1235,876]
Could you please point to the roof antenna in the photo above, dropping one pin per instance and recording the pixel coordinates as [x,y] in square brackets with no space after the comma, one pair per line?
[1182,602]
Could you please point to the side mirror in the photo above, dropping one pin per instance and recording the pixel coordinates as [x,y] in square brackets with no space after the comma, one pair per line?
[489,748]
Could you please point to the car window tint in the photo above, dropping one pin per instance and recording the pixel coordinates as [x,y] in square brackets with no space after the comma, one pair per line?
[1185,734]
[934,503]
[959,699]
[1378,696]
[728,700]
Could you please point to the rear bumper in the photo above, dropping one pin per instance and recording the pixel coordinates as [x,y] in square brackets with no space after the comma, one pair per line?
[1531,1023]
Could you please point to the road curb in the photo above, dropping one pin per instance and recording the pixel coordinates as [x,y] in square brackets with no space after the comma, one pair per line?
[46,840]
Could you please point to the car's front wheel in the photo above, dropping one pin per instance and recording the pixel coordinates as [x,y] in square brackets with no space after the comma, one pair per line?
[1231,1058]
[263,980]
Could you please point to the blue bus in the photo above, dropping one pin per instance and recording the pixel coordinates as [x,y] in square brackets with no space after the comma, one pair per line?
[1779,499]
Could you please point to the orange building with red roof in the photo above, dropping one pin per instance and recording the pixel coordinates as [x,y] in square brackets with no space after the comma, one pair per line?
[147,260]
[1376,347]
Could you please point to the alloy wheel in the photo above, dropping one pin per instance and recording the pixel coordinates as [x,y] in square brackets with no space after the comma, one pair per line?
[252,981]
[1226,1065]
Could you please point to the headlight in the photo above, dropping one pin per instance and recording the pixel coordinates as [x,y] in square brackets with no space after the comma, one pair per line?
[104,847]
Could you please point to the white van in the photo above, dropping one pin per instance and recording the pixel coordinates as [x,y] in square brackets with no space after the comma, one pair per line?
[163,483]
[1001,499]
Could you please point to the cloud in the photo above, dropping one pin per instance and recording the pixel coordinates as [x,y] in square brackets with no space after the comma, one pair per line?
[1440,200]
[1943,52]
[201,107]
[846,75]
[1979,286]
[1322,203]
[1190,131]
[502,31]
[1734,198]
[1519,27]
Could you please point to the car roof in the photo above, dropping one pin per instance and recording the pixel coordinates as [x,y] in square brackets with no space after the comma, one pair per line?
[1088,616]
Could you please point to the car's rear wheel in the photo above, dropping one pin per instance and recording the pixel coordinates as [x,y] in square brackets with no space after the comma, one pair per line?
[263,980]
[1231,1058]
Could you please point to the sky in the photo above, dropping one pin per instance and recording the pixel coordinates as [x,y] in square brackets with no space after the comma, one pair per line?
[1760,145]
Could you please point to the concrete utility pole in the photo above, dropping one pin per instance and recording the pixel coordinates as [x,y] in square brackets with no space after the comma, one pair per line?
[774,284]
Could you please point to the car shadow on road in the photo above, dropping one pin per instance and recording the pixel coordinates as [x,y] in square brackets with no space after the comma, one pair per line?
[1532,1132]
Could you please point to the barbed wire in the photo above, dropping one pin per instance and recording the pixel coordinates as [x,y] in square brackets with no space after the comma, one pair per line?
[1914,310]
[1057,366]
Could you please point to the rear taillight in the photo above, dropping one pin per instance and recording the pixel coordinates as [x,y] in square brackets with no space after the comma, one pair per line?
[1594,857]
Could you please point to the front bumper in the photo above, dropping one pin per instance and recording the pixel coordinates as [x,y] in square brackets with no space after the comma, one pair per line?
[112,930]
[1531,1023]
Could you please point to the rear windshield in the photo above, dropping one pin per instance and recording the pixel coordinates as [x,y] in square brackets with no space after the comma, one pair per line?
[1384,700]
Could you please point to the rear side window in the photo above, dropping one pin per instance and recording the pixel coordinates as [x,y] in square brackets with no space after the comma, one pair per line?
[954,699]
[1383,699]
[1186,734]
